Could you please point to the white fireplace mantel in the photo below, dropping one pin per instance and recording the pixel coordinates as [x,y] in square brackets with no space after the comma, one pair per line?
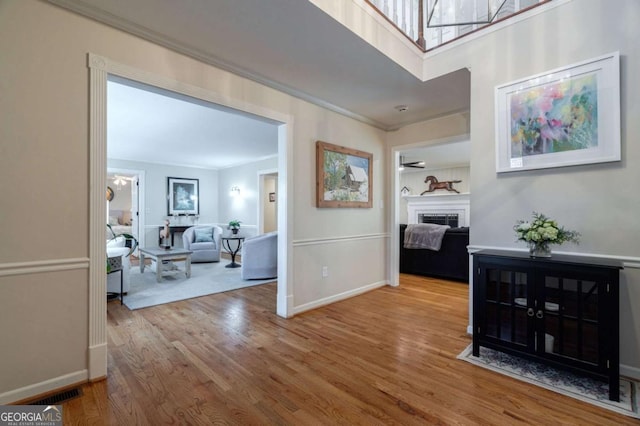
[447,203]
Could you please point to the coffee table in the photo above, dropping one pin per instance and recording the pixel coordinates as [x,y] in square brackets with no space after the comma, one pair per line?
[159,254]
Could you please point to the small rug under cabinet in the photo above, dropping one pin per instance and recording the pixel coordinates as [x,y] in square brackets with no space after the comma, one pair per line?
[579,387]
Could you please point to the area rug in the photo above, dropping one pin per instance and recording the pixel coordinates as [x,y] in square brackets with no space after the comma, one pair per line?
[206,278]
[579,387]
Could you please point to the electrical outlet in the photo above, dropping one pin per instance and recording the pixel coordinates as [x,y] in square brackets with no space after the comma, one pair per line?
[325,271]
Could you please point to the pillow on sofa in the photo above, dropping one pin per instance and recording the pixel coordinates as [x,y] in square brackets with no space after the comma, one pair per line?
[204,235]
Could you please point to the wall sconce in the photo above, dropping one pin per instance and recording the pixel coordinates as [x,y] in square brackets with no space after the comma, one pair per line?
[234,191]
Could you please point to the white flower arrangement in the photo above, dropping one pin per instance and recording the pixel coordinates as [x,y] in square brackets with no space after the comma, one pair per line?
[542,231]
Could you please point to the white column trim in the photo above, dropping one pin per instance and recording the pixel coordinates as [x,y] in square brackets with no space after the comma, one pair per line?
[97,217]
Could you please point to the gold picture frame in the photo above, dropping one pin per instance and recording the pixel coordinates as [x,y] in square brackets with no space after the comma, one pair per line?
[344,177]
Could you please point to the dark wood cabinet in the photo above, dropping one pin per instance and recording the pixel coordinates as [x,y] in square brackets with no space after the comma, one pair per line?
[563,311]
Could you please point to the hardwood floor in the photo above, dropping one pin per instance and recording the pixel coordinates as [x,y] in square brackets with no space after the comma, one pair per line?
[385,357]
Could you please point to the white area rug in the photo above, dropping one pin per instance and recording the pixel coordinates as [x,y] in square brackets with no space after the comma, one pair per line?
[206,278]
[579,387]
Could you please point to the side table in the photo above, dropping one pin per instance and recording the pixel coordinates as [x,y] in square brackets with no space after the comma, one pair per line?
[115,264]
[231,251]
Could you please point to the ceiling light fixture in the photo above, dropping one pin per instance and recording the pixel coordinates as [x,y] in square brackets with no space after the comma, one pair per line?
[445,13]
[119,181]
[401,108]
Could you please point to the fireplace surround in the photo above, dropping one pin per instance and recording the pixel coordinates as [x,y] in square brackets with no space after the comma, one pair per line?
[444,209]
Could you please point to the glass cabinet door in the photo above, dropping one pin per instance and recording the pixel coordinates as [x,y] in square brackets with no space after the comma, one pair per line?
[569,306]
[506,304]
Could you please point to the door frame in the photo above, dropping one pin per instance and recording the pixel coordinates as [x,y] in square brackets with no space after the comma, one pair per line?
[261,178]
[100,68]
[140,219]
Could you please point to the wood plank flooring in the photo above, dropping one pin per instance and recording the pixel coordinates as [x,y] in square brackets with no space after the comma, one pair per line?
[387,357]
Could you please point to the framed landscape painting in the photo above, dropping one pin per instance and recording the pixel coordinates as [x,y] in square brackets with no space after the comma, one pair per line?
[563,117]
[343,176]
[182,196]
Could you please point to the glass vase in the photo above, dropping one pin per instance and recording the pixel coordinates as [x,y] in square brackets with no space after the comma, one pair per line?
[539,249]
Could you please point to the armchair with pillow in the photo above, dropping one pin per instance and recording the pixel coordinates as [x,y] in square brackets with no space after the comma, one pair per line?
[204,242]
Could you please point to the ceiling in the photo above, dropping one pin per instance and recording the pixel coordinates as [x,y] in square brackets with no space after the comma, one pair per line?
[158,126]
[290,45]
[454,154]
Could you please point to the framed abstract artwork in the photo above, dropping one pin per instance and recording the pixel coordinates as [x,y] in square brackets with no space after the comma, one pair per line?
[344,177]
[182,196]
[563,117]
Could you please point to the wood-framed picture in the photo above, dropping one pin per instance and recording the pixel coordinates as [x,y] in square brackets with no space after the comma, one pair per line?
[562,117]
[182,196]
[344,177]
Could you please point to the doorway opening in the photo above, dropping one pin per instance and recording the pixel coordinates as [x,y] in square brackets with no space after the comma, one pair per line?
[449,158]
[267,201]
[123,210]
[101,71]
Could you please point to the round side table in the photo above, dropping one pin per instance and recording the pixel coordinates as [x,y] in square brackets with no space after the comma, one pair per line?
[227,246]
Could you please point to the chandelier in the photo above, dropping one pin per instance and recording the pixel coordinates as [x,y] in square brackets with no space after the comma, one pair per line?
[444,13]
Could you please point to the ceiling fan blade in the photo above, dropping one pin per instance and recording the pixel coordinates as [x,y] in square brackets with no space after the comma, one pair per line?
[414,164]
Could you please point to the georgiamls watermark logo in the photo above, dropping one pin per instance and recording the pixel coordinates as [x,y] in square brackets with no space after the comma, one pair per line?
[30,415]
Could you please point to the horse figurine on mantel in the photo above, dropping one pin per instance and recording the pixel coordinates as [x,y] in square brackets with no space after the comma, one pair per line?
[434,184]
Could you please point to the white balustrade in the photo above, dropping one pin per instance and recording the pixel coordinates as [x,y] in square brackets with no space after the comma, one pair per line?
[405,15]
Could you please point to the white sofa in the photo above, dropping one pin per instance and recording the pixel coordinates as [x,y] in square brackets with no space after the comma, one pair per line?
[260,257]
[116,247]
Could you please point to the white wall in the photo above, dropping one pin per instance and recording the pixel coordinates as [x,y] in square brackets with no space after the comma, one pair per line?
[44,81]
[245,206]
[600,201]
[155,193]
[121,197]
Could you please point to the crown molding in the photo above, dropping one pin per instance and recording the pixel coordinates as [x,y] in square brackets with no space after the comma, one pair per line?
[122,24]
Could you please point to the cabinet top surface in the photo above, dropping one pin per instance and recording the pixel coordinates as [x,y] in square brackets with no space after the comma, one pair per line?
[554,259]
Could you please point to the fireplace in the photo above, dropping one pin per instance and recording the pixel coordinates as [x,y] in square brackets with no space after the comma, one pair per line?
[443,209]
[450,219]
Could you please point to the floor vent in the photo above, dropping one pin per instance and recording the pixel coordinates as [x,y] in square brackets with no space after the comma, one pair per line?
[59,398]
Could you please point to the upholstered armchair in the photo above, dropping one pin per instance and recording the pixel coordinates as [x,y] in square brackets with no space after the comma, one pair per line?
[260,257]
[204,242]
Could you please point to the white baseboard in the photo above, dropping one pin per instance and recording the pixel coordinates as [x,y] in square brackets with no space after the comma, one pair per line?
[44,387]
[98,361]
[631,372]
[338,297]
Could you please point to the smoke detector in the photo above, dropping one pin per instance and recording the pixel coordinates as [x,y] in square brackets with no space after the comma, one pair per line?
[401,108]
